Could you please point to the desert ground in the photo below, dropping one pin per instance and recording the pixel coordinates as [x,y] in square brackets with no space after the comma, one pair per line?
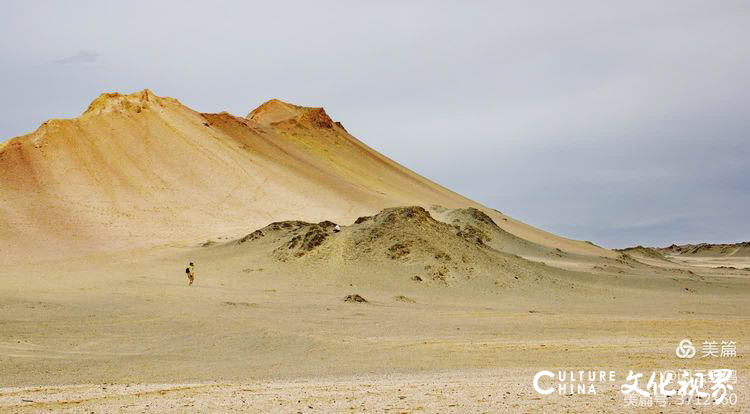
[425,301]
[124,333]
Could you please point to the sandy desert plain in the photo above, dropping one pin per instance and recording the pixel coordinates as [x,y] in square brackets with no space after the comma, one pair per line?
[459,305]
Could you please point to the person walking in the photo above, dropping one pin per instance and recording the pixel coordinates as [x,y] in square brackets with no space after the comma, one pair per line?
[190,271]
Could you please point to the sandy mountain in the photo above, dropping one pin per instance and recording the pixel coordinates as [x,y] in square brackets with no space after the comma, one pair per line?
[143,170]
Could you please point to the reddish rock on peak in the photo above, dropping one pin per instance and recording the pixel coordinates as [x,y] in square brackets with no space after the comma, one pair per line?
[276,111]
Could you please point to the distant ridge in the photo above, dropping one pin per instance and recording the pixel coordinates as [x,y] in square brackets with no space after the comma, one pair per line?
[741,249]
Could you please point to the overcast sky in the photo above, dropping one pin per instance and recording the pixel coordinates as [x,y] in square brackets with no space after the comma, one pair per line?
[617,122]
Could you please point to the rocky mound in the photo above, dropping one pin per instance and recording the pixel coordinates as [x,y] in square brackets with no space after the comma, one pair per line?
[411,237]
[294,239]
[474,224]
[406,239]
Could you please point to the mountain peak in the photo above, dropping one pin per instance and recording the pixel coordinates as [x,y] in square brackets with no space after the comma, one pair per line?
[276,111]
[117,102]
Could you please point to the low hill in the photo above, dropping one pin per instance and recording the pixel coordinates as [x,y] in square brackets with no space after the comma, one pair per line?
[407,241]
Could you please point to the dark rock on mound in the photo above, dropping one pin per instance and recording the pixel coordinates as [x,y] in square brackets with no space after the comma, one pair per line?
[479,216]
[284,226]
[399,250]
[474,225]
[275,227]
[355,299]
[292,238]
[312,238]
